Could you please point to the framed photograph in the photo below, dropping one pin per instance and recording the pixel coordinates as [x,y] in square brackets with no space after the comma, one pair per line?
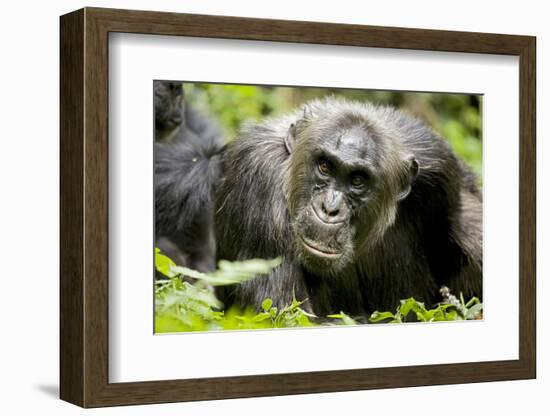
[255,207]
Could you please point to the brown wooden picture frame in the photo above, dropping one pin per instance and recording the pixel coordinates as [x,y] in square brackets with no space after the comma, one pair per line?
[84,207]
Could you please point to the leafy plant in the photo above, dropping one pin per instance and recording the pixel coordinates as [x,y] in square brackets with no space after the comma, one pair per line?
[345,319]
[182,306]
[450,309]
[228,273]
[186,301]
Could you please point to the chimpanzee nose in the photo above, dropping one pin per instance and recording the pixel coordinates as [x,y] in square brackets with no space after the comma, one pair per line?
[331,207]
[331,210]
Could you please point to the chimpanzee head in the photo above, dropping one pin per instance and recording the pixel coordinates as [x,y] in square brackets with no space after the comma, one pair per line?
[347,176]
[169,106]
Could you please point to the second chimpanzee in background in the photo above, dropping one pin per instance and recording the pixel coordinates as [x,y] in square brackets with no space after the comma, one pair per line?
[187,169]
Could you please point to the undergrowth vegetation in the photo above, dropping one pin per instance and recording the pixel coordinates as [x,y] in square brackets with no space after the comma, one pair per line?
[186,301]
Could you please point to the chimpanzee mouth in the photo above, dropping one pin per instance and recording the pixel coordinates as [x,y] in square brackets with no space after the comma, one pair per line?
[320,251]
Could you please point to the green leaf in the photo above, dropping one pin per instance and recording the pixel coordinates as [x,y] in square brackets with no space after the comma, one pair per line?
[346,320]
[164,264]
[472,301]
[261,317]
[449,315]
[266,304]
[474,311]
[406,306]
[303,312]
[380,316]
[230,273]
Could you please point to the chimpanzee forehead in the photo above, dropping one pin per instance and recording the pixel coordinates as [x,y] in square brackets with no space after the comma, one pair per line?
[353,143]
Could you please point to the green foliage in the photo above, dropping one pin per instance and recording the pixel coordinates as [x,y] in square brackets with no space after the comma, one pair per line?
[346,320]
[410,310]
[229,273]
[164,264]
[291,316]
[234,104]
[182,306]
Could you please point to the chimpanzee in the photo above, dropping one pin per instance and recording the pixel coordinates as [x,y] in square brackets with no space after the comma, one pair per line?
[187,168]
[366,204]
[169,109]
[176,120]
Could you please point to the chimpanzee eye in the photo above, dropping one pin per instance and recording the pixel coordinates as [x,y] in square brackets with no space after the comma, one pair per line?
[324,166]
[358,181]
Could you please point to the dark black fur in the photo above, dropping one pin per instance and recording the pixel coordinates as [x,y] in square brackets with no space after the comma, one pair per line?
[187,169]
[169,108]
[412,225]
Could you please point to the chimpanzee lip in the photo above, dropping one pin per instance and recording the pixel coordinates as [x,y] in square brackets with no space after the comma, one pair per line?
[320,251]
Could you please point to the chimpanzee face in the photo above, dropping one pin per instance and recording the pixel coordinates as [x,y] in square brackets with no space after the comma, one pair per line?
[168,104]
[343,191]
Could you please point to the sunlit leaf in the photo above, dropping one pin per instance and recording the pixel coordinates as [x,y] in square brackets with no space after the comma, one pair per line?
[380,316]
[164,264]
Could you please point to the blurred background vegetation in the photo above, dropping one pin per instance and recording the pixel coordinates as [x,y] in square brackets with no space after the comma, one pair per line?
[456,117]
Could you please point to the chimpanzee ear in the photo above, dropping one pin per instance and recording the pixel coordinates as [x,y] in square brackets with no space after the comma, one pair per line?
[307,115]
[290,138]
[412,173]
